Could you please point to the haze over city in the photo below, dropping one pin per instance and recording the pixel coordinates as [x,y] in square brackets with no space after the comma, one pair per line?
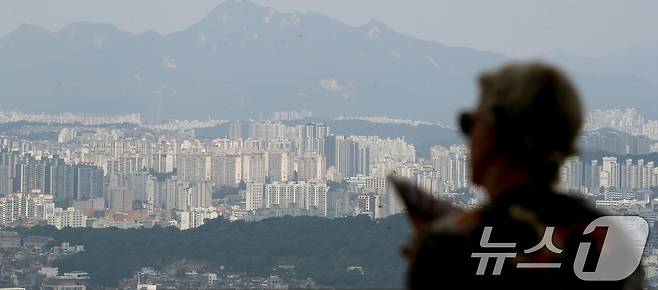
[517,28]
[246,144]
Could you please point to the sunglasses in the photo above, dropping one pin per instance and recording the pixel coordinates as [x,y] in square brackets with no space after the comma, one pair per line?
[466,123]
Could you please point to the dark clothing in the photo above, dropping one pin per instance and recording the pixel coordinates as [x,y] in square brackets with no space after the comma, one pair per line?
[441,257]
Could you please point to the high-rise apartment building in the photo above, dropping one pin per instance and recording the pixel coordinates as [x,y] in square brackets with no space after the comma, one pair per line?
[452,165]
[254,196]
[311,167]
[312,137]
[122,199]
[351,158]
[610,173]
[16,207]
[191,167]
[571,174]
[278,166]
[254,166]
[226,169]
[234,131]
[201,194]
[87,181]
[303,195]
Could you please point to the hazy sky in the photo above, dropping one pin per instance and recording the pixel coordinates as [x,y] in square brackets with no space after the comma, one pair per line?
[515,27]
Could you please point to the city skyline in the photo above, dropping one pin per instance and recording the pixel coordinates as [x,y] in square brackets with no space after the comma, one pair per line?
[301,144]
[114,170]
[99,175]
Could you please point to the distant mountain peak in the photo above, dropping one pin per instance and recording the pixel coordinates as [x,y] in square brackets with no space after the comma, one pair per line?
[78,28]
[375,22]
[150,34]
[375,28]
[236,6]
[244,59]
[237,12]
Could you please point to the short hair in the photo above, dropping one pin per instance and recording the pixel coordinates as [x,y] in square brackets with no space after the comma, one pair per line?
[536,111]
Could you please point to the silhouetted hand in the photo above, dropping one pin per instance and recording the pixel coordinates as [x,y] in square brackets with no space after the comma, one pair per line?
[421,206]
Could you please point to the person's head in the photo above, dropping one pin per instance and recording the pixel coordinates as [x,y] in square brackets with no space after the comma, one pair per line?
[528,117]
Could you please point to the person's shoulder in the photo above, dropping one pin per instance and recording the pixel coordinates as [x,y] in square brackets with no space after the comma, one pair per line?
[445,244]
[567,207]
[457,223]
[545,204]
[453,231]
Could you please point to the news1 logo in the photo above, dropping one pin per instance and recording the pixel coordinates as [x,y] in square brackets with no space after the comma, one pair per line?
[619,256]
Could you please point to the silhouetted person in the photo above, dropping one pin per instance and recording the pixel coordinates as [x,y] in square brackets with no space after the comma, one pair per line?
[525,124]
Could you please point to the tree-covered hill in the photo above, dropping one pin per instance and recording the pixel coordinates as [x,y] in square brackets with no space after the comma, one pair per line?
[318,248]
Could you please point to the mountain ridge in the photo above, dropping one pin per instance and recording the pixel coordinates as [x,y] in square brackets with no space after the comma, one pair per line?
[243,59]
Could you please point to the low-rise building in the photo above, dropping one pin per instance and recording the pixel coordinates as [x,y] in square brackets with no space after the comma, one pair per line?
[69,217]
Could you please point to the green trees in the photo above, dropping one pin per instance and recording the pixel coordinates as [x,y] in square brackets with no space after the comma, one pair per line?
[319,248]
